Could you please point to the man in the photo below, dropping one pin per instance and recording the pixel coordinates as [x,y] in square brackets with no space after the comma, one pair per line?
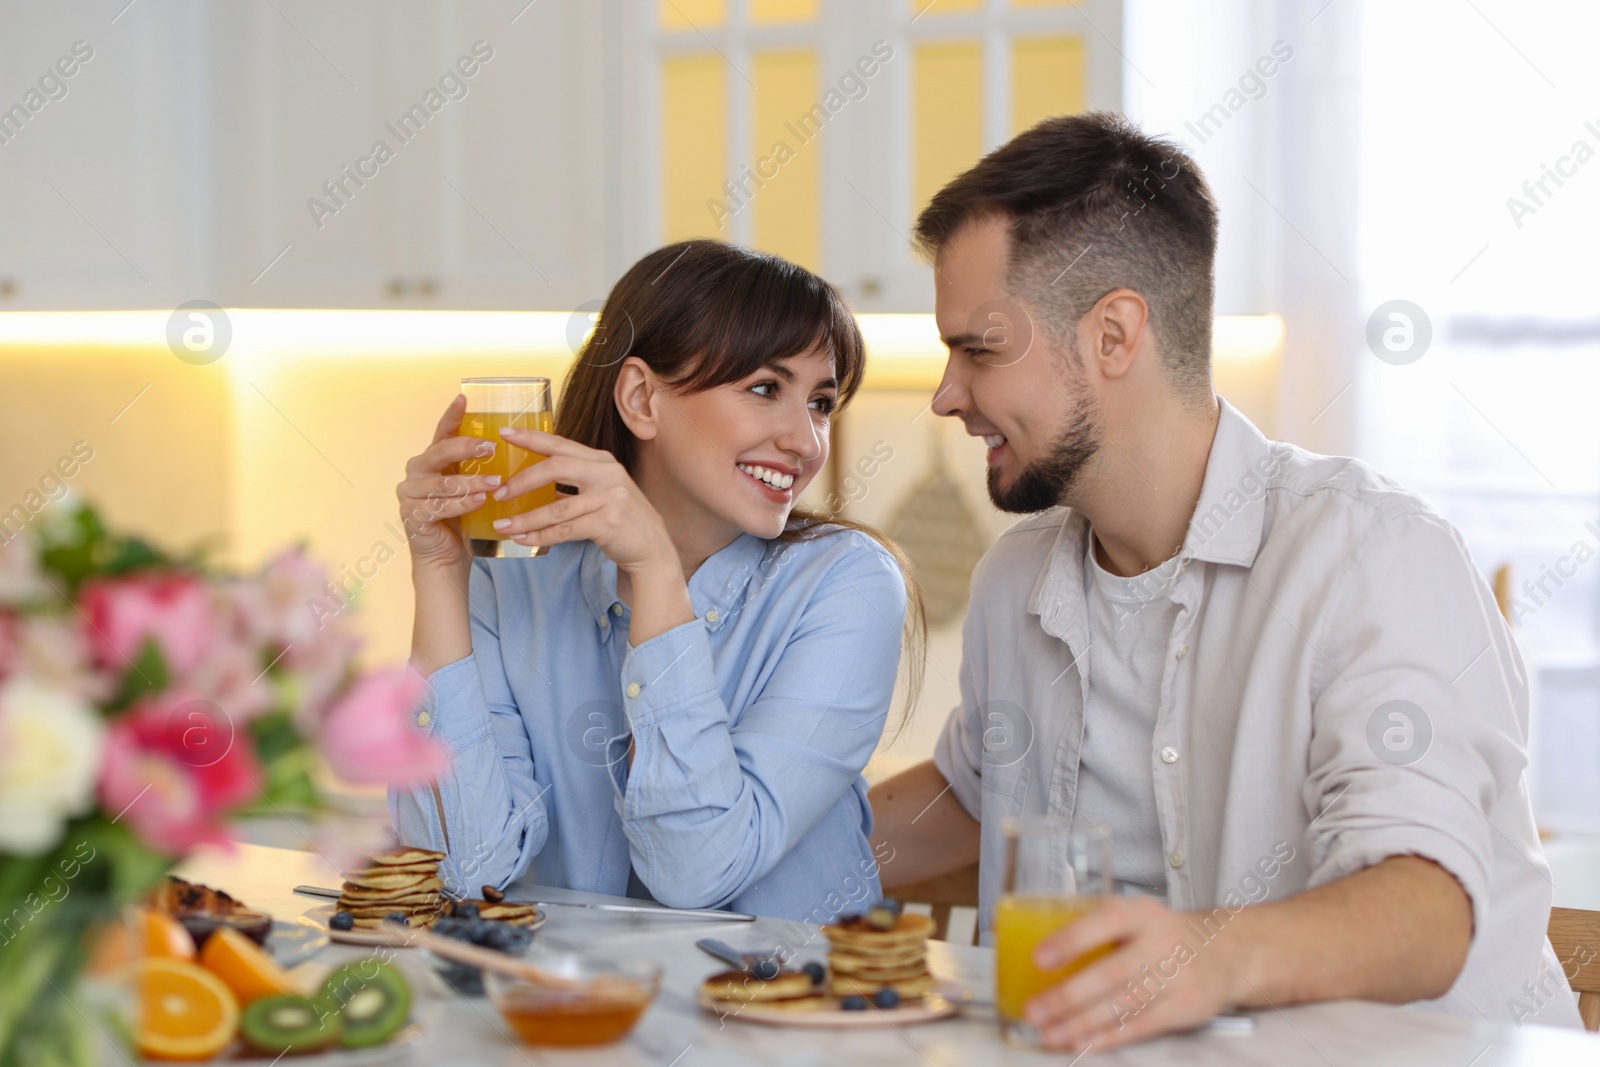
[1276,676]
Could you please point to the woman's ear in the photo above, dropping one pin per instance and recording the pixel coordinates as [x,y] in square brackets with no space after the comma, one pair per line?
[635,396]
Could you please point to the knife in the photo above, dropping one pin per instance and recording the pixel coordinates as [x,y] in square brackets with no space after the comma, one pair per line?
[764,967]
[631,909]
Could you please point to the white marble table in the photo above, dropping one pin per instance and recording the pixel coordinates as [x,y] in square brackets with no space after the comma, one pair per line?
[676,1033]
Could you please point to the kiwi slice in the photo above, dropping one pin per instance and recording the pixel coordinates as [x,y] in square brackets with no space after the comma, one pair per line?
[289,1023]
[372,1000]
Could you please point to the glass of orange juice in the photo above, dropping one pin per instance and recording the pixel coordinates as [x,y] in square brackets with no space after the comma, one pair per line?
[1056,871]
[493,403]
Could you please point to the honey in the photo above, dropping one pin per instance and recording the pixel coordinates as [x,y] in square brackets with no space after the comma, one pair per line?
[539,1018]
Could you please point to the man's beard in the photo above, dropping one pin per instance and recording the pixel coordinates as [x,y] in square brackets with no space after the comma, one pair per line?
[1045,482]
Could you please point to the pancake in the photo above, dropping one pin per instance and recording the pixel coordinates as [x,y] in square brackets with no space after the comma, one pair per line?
[405,868]
[908,931]
[399,880]
[736,987]
[852,962]
[405,854]
[874,973]
[371,922]
[844,985]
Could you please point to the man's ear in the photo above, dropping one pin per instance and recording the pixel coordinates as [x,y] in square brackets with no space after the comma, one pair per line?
[636,395]
[1118,323]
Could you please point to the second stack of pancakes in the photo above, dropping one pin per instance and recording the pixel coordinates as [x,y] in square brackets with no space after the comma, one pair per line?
[863,959]
[404,880]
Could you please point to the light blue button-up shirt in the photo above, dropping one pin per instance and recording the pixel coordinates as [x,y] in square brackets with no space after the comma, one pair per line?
[751,725]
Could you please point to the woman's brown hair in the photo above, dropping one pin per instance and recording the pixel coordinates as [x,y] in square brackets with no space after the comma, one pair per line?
[701,314]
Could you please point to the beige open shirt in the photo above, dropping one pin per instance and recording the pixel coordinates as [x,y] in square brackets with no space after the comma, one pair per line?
[1329,622]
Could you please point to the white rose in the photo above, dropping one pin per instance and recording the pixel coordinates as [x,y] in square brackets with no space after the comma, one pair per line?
[50,746]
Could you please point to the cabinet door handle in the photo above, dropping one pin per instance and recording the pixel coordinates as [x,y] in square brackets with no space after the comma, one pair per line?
[397,288]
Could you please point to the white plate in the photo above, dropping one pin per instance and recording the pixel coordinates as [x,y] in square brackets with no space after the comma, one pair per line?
[318,917]
[946,999]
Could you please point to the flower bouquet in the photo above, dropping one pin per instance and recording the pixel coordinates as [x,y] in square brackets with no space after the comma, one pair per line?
[145,702]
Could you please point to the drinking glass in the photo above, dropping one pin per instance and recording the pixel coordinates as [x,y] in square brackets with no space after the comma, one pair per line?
[493,403]
[1056,871]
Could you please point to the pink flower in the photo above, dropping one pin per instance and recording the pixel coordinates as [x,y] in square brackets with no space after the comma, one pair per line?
[284,605]
[369,737]
[174,769]
[172,609]
[231,676]
[20,579]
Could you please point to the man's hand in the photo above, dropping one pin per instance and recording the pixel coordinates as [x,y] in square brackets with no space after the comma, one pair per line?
[1396,932]
[1162,976]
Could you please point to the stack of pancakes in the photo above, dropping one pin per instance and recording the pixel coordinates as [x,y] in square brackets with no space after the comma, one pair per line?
[404,880]
[863,959]
[729,991]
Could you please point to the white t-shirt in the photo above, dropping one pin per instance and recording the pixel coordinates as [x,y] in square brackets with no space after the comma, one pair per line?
[1130,623]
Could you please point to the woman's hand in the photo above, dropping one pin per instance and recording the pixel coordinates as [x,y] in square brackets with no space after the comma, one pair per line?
[433,497]
[609,509]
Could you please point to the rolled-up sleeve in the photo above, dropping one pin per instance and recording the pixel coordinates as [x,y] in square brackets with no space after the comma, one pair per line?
[1419,731]
[487,812]
[713,801]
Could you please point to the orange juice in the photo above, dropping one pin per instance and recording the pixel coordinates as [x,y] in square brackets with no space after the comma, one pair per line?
[507,460]
[1020,923]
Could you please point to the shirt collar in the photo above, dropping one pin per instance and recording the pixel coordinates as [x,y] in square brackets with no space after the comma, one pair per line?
[1227,522]
[716,591]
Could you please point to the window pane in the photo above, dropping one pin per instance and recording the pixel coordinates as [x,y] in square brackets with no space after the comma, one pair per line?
[784,145]
[1048,77]
[768,11]
[694,148]
[692,14]
[947,114]
[942,7]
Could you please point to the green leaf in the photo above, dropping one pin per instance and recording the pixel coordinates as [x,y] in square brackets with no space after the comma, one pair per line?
[148,674]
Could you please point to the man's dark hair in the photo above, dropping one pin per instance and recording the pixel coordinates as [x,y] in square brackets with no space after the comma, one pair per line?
[1096,205]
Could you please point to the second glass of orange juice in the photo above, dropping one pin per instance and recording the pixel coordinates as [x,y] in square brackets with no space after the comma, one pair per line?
[494,403]
[1056,871]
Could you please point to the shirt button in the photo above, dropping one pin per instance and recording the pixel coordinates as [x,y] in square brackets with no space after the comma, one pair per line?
[604,622]
[712,616]
[1183,650]
[616,609]
[423,718]
[1169,755]
[633,689]
[1176,859]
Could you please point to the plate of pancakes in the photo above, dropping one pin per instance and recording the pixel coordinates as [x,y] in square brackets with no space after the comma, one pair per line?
[404,881]
[864,960]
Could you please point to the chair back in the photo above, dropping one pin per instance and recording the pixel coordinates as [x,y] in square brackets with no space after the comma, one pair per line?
[958,889]
[1575,935]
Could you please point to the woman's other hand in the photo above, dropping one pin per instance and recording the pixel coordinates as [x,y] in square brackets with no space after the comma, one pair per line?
[433,496]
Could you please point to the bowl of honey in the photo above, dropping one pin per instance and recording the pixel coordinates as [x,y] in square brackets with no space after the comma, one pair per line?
[599,1002]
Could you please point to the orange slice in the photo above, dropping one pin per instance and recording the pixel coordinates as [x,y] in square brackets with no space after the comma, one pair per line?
[184,1011]
[163,936]
[244,966]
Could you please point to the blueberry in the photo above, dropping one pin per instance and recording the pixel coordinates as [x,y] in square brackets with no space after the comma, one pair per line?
[766,970]
[466,911]
[397,917]
[342,920]
[853,1003]
[497,938]
[886,998]
[848,918]
[816,972]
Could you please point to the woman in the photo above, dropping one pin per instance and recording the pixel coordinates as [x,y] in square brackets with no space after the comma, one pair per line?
[677,700]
